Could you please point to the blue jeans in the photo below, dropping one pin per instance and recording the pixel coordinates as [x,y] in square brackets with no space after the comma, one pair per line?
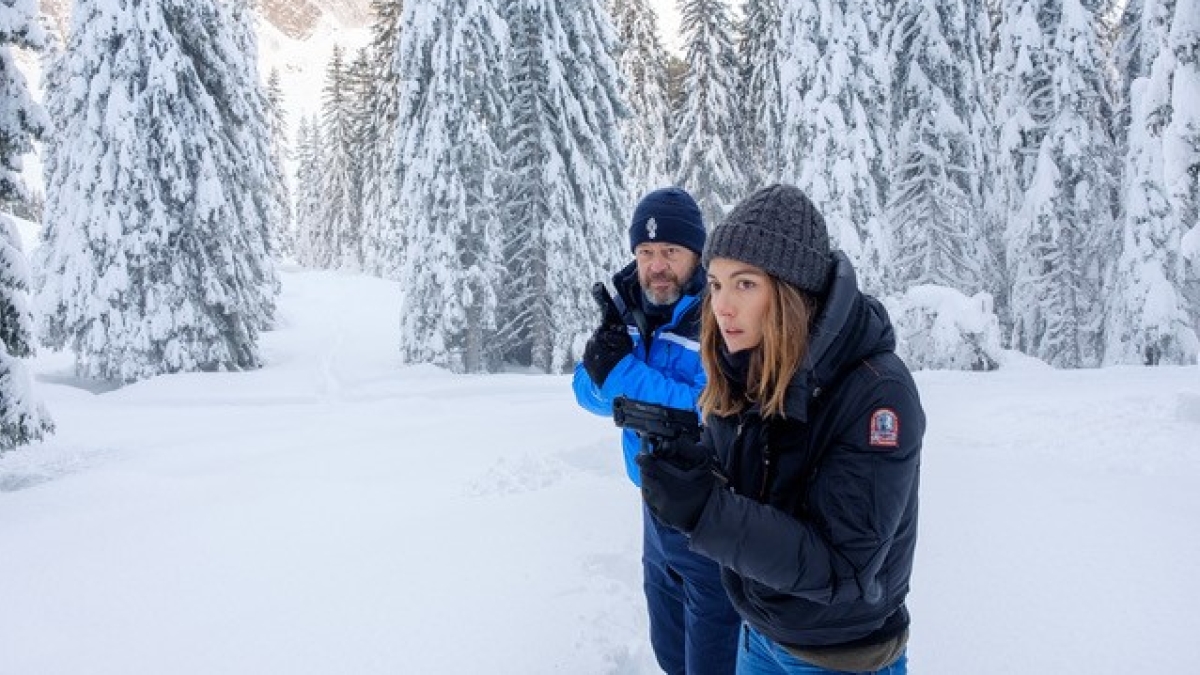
[759,655]
[693,626]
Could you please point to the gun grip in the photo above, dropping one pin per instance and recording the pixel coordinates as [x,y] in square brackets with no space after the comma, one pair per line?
[647,446]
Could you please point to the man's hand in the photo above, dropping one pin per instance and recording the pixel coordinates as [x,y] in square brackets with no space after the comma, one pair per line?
[677,481]
[607,346]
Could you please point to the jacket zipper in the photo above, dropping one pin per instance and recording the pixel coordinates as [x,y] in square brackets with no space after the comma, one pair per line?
[732,460]
[762,493]
[766,459]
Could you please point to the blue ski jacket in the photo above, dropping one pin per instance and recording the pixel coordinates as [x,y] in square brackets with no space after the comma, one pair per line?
[663,368]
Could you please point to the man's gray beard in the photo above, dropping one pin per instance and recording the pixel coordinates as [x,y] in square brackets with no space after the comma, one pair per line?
[673,297]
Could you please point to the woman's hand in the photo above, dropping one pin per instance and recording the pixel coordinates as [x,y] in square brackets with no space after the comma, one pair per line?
[677,480]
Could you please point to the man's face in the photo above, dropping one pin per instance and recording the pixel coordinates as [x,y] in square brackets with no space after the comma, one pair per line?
[663,269]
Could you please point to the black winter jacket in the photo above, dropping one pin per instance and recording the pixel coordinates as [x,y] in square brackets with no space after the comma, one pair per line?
[816,532]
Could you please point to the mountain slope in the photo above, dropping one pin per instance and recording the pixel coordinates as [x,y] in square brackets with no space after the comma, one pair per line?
[299,19]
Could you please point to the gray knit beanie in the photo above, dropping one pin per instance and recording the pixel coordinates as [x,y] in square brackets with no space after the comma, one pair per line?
[779,230]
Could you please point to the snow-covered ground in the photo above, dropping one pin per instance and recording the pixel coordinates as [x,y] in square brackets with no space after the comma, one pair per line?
[335,512]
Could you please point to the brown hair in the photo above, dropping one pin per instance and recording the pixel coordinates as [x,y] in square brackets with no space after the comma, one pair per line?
[773,361]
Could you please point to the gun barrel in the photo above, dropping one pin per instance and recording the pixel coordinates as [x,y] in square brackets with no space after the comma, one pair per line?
[601,295]
[655,421]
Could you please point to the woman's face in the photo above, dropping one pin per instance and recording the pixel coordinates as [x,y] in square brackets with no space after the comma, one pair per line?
[739,295]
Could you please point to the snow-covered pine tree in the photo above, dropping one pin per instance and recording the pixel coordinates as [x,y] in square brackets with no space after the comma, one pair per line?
[1022,108]
[980,40]
[677,71]
[284,236]
[358,90]
[1183,138]
[335,240]
[565,202]
[643,63]
[833,85]
[933,207]
[1149,318]
[383,242]
[308,191]
[452,68]
[591,82]
[760,89]
[22,417]
[535,242]
[258,191]
[22,120]
[1129,63]
[710,136]
[1056,241]
[154,255]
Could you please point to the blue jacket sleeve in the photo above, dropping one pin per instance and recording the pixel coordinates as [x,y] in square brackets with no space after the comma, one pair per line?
[587,394]
[634,378]
[867,489]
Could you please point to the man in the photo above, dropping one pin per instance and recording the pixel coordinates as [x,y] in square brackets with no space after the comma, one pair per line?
[651,353]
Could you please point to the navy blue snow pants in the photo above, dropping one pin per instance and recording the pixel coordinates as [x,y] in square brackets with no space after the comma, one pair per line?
[693,626]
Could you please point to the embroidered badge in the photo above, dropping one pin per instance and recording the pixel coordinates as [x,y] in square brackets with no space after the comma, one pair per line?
[651,228]
[885,429]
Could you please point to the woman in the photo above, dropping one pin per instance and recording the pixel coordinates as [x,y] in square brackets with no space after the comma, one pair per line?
[804,486]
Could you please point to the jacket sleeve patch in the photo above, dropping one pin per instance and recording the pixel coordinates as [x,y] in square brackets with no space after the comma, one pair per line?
[884,429]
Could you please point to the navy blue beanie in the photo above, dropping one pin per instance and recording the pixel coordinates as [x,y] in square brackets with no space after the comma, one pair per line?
[668,215]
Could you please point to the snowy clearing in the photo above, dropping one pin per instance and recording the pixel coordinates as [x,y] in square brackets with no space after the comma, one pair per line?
[336,512]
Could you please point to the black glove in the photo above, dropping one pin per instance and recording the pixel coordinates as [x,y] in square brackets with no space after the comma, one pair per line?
[677,480]
[607,346]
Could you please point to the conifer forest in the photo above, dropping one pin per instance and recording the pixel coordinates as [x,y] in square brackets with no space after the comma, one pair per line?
[1037,158]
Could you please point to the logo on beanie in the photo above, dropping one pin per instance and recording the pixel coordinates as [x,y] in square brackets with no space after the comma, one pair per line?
[651,228]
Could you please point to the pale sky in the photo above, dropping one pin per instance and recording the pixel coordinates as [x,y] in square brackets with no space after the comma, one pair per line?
[668,22]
